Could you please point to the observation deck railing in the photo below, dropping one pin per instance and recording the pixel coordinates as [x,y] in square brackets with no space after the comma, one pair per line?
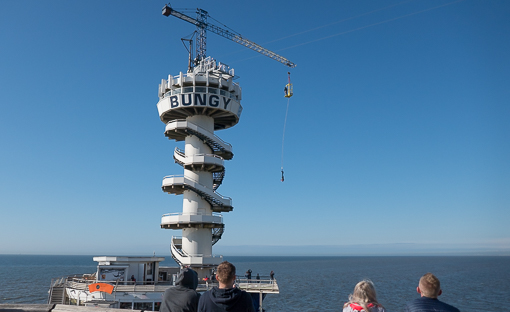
[198,183]
[214,214]
[201,130]
[200,89]
[182,154]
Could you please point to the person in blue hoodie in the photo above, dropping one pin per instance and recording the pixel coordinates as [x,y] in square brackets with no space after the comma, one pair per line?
[183,296]
[225,297]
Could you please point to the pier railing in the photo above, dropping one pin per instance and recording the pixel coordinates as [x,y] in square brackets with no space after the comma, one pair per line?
[79,282]
[263,285]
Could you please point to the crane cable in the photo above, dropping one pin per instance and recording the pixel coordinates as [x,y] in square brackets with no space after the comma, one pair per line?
[283,138]
[288,94]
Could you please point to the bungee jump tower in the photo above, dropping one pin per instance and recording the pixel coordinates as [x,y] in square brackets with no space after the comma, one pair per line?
[193,106]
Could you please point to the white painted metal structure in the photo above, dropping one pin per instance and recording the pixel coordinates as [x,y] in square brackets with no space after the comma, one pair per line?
[193,106]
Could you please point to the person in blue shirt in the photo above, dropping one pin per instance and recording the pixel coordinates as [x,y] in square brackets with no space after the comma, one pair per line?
[429,289]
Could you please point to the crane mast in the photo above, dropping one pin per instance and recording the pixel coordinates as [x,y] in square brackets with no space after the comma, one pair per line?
[202,26]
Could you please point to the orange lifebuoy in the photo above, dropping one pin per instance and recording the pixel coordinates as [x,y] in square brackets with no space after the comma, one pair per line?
[107,288]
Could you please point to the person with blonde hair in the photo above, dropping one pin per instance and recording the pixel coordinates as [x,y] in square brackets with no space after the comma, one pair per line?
[429,289]
[363,298]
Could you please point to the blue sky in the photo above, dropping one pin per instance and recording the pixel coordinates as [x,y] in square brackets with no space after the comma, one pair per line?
[397,139]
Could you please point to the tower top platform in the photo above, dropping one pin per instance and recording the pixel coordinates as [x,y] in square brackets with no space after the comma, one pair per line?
[206,90]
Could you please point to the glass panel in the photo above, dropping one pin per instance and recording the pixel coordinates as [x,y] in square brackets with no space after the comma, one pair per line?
[176,91]
[200,89]
[143,306]
[187,90]
[126,305]
[224,93]
[213,91]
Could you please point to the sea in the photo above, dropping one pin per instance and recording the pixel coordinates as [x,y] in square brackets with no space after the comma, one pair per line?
[471,283]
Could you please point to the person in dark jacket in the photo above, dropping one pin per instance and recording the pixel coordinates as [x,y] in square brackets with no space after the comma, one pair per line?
[225,297]
[429,288]
[182,297]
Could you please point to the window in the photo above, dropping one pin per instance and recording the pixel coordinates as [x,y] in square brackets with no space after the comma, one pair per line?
[126,305]
[143,306]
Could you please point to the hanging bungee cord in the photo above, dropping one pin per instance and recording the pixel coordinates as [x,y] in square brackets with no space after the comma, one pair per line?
[288,94]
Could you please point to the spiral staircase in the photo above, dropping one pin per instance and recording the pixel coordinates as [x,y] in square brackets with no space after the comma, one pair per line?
[193,106]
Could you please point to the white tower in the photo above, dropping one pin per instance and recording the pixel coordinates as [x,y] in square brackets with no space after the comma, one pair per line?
[193,106]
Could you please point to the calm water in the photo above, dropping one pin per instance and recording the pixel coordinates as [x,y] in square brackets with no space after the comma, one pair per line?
[306,283]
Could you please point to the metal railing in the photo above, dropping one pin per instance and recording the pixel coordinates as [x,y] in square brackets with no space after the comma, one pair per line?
[264,283]
[214,214]
[182,154]
[210,90]
[213,192]
[185,254]
[201,130]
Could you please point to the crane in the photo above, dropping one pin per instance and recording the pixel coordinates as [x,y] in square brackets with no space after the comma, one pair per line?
[202,26]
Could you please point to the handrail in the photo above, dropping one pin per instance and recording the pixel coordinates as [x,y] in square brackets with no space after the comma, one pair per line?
[181,153]
[182,253]
[257,283]
[200,129]
[199,73]
[186,178]
[176,91]
[173,176]
[214,214]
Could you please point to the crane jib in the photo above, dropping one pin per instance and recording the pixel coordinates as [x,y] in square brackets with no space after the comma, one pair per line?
[202,25]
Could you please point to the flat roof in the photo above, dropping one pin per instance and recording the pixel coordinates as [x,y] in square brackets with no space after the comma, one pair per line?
[127,259]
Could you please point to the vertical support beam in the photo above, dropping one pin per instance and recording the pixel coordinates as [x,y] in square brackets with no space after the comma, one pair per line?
[260,301]
[201,44]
